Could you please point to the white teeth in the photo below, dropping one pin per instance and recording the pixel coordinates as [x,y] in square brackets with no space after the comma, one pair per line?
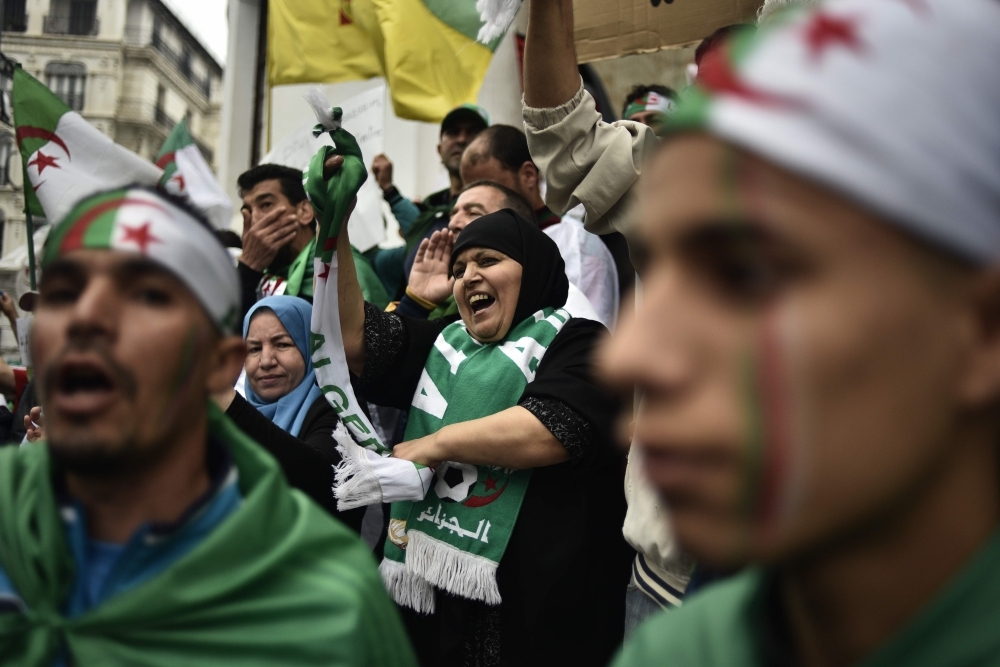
[477,297]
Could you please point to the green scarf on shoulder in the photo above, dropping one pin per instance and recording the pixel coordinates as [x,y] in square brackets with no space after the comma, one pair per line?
[295,279]
[278,582]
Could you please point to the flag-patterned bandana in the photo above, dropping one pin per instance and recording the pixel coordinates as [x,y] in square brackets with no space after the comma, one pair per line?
[651,101]
[894,103]
[141,221]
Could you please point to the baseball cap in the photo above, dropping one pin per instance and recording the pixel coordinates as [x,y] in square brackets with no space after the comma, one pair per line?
[465,114]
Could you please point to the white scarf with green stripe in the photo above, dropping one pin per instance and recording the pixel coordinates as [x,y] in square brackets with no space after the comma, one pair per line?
[454,538]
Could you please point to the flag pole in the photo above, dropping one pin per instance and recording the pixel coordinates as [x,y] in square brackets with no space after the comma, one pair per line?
[31,246]
[30,227]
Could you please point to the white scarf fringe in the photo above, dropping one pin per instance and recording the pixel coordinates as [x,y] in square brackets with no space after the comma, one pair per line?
[458,572]
[496,15]
[407,588]
[355,483]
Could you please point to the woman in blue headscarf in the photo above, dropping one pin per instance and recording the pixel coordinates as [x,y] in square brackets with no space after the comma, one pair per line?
[284,410]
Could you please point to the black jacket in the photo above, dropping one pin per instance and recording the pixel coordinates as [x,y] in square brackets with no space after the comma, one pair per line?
[308,460]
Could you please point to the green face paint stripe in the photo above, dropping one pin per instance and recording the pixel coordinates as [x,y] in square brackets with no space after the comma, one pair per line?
[776,421]
[186,365]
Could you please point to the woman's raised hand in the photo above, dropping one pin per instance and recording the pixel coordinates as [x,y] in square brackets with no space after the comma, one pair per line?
[429,277]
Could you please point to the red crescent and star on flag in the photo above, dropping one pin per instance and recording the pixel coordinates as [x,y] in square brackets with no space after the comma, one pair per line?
[140,235]
[826,31]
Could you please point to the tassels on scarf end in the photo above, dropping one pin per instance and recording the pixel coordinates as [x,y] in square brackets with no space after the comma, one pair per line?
[458,572]
[496,15]
[355,483]
[406,588]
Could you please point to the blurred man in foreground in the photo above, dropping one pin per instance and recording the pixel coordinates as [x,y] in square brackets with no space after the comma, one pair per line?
[149,529]
[818,347]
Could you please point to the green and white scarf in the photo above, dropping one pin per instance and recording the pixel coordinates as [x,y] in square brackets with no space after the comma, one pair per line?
[454,538]
[295,280]
[366,474]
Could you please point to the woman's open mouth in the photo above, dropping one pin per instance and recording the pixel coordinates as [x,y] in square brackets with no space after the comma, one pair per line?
[480,302]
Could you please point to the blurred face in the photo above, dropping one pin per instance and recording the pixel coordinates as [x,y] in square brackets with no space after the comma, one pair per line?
[653,119]
[274,364]
[487,285]
[472,204]
[799,360]
[453,143]
[125,358]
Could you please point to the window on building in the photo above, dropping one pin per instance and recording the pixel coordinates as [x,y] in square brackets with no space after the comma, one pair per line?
[6,151]
[83,17]
[14,17]
[71,17]
[68,81]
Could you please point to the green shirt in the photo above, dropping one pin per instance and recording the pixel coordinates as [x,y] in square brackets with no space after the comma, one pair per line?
[725,626]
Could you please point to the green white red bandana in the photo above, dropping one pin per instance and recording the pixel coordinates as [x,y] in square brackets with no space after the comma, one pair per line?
[141,221]
[651,101]
[894,103]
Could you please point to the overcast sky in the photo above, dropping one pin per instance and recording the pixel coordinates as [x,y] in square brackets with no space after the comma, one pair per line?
[207,20]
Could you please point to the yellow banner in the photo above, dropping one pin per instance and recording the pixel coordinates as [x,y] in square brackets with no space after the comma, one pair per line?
[430,67]
[318,41]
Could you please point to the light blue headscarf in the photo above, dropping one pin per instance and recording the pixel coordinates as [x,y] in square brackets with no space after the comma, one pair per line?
[290,410]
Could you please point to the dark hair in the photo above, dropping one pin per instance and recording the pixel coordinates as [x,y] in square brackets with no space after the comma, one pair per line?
[290,180]
[511,199]
[229,238]
[642,91]
[506,143]
[719,38]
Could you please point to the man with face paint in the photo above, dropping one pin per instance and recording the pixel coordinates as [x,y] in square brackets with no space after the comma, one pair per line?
[149,529]
[649,105]
[818,348]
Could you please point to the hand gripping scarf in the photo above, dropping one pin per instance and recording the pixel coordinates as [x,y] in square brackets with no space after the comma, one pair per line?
[454,538]
[365,460]
[894,103]
[142,221]
[278,582]
[290,410]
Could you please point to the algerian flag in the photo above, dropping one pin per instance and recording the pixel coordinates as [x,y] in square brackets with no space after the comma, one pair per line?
[186,174]
[66,158]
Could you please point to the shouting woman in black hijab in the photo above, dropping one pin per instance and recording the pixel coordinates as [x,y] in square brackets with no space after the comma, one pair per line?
[562,575]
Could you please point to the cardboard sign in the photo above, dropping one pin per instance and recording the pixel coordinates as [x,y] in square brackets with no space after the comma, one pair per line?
[364,117]
[612,28]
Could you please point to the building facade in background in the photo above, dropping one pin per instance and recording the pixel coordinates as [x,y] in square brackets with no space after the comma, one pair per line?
[130,67]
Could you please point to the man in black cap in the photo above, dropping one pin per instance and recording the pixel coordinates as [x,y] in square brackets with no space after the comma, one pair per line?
[419,220]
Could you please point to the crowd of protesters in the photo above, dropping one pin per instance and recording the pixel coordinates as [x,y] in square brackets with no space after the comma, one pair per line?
[784,452]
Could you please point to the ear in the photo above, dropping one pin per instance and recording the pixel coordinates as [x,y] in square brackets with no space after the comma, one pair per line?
[225,364]
[529,178]
[439,149]
[981,381]
[305,213]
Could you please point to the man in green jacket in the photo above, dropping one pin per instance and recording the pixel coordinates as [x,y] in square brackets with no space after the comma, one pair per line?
[148,530]
[818,347]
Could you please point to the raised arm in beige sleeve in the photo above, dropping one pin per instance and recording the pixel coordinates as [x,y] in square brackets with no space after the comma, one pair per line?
[587,161]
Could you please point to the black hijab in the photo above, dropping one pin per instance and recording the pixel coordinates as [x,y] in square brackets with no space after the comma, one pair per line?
[543,272]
